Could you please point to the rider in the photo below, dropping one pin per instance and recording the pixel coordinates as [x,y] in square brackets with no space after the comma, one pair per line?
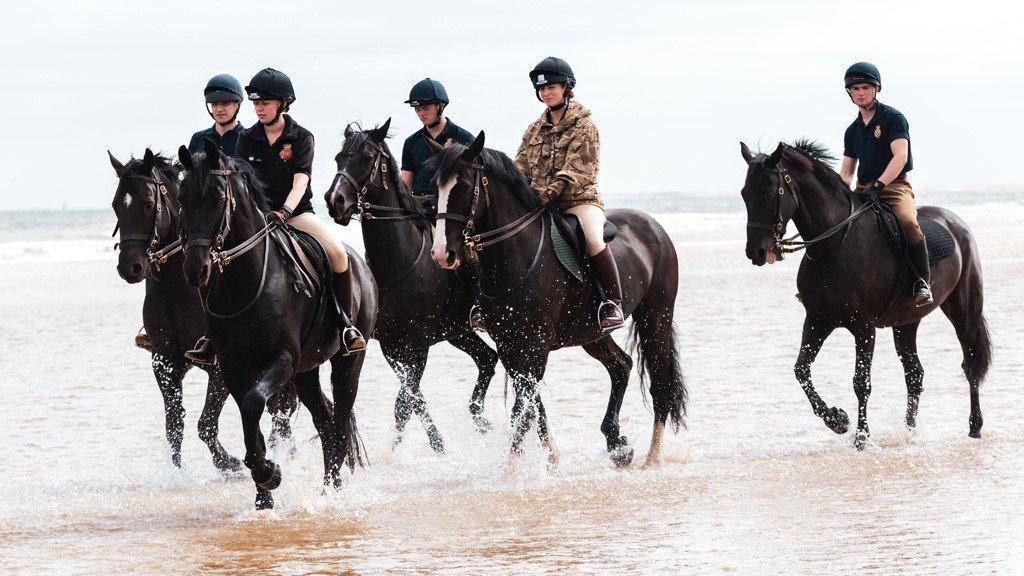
[223,100]
[879,139]
[560,157]
[429,99]
[281,151]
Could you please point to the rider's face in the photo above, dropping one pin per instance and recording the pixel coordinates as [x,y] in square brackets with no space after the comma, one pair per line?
[266,109]
[223,112]
[427,113]
[863,94]
[552,94]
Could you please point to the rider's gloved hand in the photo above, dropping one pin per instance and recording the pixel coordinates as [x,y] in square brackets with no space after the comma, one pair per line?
[281,216]
[874,190]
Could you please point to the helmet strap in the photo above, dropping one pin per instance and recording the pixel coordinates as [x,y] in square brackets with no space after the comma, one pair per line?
[560,105]
[280,110]
[869,107]
[437,121]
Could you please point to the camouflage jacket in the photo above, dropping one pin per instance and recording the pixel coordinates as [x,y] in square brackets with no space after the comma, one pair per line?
[560,161]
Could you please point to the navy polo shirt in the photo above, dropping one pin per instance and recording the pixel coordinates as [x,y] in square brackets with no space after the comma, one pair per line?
[416,152]
[278,164]
[871,143]
[226,143]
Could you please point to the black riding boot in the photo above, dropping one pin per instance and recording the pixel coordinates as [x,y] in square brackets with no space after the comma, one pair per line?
[203,354]
[142,340]
[609,312]
[919,259]
[352,340]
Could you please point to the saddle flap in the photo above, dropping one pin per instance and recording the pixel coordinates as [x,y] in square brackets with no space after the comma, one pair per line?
[305,256]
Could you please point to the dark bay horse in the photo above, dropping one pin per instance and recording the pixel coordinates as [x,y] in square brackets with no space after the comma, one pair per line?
[420,304]
[146,205]
[266,332]
[852,277]
[532,306]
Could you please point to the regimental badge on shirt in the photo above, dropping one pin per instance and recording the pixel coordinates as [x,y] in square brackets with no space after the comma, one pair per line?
[448,143]
[286,152]
[878,131]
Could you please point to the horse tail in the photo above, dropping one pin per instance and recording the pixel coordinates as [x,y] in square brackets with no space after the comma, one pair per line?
[655,344]
[354,452]
[978,351]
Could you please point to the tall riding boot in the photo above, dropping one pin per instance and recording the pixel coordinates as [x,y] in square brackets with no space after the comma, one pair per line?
[609,312]
[476,317]
[142,340]
[203,354]
[919,259]
[351,339]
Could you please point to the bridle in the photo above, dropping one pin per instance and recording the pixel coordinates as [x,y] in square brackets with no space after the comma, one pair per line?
[157,256]
[778,226]
[475,243]
[364,208]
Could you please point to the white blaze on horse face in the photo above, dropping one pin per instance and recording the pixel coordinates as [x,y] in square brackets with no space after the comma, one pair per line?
[127,200]
[440,237]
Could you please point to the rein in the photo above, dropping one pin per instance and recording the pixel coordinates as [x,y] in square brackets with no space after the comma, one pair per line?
[778,227]
[156,256]
[363,207]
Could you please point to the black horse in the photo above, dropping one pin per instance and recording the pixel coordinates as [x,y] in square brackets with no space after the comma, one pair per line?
[265,331]
[145,203]
[532,306]
[420,304]
[854,277]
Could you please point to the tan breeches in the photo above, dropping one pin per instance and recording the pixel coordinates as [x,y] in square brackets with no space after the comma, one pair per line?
[325,235]
[899,196]
[592,219]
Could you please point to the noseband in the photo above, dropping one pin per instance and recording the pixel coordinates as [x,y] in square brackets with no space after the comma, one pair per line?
[163,204]
[364,208]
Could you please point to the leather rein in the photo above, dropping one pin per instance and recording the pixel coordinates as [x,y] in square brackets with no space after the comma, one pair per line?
[164,203]
[778,227]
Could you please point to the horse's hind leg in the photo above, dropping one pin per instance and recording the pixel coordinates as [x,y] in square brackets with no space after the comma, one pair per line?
[544,433]
[964,310]
[814,335]
[168,375]
[905,338]
[282,407]
[486,360]
[408,365]
[209,422]
[865,344]
[307,386]
[618,364]
[345,372]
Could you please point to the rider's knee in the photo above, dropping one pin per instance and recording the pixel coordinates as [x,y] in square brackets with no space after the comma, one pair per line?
[339,260]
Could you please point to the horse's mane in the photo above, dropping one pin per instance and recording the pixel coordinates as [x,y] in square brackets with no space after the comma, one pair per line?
[243,171]
[164,164]
[812,155]
[498,165]
[355,142]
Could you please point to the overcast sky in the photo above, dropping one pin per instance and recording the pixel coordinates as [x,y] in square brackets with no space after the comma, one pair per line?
[674,86]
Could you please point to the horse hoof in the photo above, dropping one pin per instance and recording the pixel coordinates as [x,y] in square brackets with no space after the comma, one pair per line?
[837,420]
[860,441]
[911,422]
[396,441]
[436,442]
[264,500]
[227,463]
[976,433]
[483,425]
[176,460]
[269,478]
[622,457]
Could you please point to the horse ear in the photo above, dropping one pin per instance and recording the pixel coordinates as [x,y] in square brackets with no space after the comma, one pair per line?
[774,158]
[185,157]
[118,167]
[148,160]
[212,152]
[748,157]
[349,130]
[475,148]
[435,146]
[380,133]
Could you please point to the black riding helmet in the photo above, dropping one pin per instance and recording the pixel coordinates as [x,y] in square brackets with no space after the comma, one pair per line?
[223,88]
[428,91]
[863,73]
[552,70]
[270,84]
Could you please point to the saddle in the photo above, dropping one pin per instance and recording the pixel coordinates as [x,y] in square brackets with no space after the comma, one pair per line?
[569,243]
[939,240]
[308,264]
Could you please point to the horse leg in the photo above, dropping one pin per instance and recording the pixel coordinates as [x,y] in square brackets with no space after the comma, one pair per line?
[168,375]
[307,387]
[209,422]
[409,366]
[618,364]
[964,310]
[265,473]
[486,360]
[526,373]
[282,407]
[814,335]
[905,338]
[344,387]
[865,344]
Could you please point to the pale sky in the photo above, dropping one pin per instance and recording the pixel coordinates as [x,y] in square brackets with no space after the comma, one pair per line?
[673,86]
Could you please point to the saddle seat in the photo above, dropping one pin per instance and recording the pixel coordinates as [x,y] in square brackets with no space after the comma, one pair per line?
[569,242]
[938,239]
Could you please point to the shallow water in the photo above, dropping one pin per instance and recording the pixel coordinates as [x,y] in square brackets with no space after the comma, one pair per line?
[756,484]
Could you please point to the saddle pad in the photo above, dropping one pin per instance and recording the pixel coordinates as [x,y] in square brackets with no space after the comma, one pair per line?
[565,252]
[940,241]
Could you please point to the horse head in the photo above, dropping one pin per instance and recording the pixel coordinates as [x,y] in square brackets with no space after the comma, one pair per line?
[769,207]
[459,202]
[363,156]
[144,217]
